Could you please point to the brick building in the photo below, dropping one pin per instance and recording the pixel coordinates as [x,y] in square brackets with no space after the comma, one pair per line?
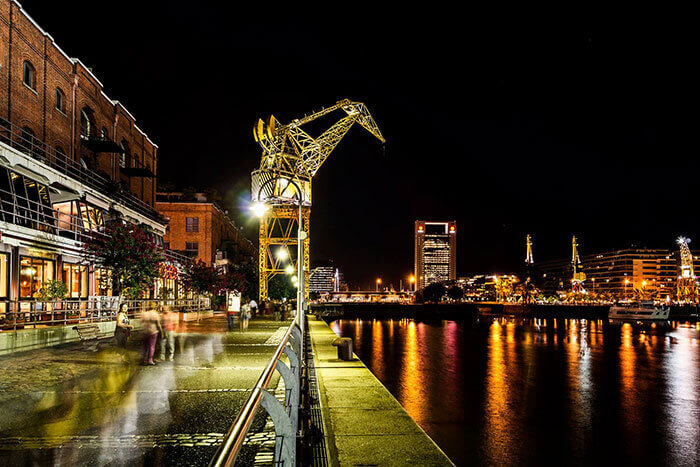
[71,159]
[56,104]
[198,227]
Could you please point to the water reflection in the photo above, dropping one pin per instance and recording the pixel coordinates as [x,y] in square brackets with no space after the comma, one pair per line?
[498,390]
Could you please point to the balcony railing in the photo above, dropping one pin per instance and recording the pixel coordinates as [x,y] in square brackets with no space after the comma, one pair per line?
[18,210]
[33,147]
[16,315]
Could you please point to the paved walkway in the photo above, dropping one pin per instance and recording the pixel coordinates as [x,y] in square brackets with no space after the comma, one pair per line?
[364,424]
[67,406]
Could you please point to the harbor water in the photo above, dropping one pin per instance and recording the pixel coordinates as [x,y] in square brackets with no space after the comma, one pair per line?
[495,390]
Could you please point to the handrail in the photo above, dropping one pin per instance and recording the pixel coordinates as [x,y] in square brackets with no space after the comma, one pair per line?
[229,448]
[38,150]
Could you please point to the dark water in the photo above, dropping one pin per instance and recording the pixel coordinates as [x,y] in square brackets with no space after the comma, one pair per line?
[549,392]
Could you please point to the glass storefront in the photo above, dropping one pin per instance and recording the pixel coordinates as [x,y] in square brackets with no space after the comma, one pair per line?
[76,279]
[103,282]
[33,272]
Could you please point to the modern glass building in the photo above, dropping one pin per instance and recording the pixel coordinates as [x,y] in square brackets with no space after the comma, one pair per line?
[435,252]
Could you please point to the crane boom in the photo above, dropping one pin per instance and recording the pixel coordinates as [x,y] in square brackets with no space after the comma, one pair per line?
[290,159]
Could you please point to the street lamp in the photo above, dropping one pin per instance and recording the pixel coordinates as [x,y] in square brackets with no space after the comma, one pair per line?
[289,269]
[282,253]
[379,281]
[412,280]
[627,281]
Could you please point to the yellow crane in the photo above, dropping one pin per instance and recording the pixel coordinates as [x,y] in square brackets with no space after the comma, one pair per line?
[687,284]
[290,159]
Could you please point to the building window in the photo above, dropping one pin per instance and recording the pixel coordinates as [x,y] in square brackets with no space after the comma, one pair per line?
[33,272]
[75,278]
[29,75]
[122,156]
[60,101]
[192,247]
[103,133]
[192,224]
[85,122]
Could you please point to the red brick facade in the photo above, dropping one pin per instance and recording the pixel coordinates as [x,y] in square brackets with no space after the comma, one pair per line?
[213,227]
[22,40]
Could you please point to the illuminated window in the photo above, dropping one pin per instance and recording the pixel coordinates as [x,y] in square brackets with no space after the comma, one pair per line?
[33,272]
[29,75]
[85,123]
[75,278]
[4,280]
[192,224]
[103,282]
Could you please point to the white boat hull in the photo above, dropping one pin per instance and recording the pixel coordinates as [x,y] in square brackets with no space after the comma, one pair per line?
[634,313]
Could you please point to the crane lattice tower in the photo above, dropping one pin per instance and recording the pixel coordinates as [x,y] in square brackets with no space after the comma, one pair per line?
[578,276]
[290,159]
[687,284]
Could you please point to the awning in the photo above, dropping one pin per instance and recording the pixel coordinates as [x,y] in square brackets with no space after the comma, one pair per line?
[137,172]
[95,201]
[101,145]
[20,169]
[61,193]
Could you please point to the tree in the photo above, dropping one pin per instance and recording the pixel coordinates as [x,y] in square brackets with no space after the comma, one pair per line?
[130,253]
[455,292]
[434,292]
[202,278]
[281,286]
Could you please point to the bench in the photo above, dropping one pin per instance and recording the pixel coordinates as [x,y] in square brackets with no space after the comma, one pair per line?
[89,335]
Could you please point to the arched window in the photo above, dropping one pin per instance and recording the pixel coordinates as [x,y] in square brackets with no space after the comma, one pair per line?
[125,151]
[29,75]
[135,160]
[85,122]
[60,100]
[103,133]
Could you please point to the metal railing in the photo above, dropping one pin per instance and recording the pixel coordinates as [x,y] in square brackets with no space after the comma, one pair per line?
[285,417]
[29,314]
[19,210]
[38,150]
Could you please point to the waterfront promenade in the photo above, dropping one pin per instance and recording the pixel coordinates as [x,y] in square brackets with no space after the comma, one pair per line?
[65,405]
[364,423]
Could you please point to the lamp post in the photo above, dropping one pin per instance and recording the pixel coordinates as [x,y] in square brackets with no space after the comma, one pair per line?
[412,281]
[627,281]
[379,281]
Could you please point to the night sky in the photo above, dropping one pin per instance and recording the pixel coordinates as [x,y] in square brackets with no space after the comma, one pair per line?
[548,122]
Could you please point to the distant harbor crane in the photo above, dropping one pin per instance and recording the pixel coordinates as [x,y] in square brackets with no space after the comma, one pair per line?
[578,276]
[528,251]
[687,284]
[290,159]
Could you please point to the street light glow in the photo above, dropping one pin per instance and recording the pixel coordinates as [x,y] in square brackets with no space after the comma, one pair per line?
[289,269]
[282,253]
[259,209]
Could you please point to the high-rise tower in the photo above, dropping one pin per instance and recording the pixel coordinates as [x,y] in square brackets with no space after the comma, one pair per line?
[435,252]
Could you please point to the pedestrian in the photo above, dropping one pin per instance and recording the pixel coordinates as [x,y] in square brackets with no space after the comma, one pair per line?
[268,308]
[253,305]
[278,310]
[151,327]
[231,314]
[122,330]
[245,316]
[167,339]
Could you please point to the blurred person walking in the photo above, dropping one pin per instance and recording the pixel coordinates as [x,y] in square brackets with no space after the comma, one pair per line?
[170,322]
[253,305]
[151,325]
[122,330]
[245,317]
